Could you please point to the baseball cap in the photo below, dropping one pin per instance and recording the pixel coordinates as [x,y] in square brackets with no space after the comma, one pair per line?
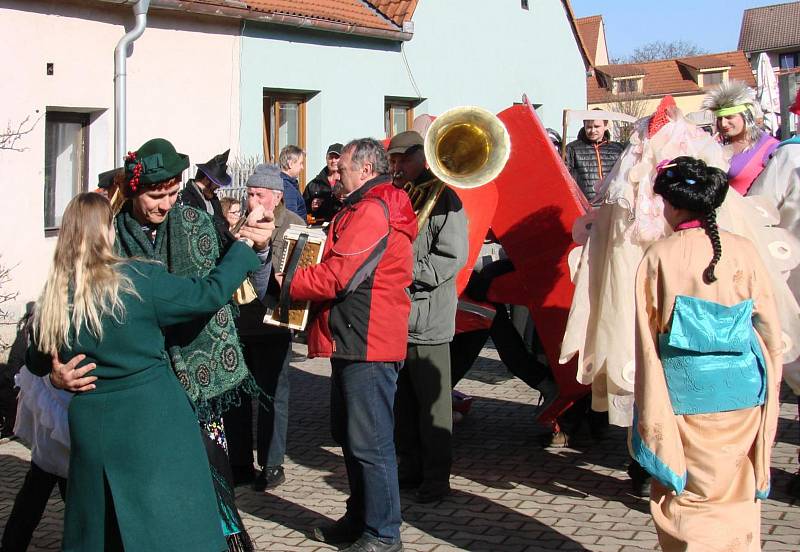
[404,141]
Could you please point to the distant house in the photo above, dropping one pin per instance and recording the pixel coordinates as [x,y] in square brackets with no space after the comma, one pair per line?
[253,76]
[637,89]
[775,30]
[592,31]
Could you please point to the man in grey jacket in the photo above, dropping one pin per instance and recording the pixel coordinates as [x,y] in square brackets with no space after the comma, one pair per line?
[267,350]
[423,404]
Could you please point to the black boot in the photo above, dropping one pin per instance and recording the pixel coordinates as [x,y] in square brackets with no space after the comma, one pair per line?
[640,479]
[342,531]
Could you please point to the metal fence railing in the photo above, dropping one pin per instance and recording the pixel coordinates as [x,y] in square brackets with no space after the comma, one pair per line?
[240,170]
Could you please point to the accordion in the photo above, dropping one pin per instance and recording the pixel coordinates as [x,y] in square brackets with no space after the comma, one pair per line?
[303,248]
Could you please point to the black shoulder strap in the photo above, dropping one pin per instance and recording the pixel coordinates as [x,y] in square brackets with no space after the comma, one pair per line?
[285,301]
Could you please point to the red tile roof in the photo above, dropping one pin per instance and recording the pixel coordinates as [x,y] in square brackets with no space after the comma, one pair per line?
[589,31]
[704,62]
[622,70]
[353,12]
[669,76]
[770,27]
[398,11]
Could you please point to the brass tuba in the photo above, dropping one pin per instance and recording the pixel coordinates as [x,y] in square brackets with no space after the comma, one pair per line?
[465,147]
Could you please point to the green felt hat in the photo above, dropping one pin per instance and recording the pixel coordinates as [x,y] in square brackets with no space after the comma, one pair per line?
[158,162]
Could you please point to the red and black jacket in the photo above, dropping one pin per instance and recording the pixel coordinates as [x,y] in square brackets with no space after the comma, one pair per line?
[359,289]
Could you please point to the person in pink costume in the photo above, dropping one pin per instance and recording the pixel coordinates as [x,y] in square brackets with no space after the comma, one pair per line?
[734,105]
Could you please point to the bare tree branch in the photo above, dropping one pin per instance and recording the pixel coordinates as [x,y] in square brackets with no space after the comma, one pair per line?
[658,50]
[633,104]
[5,297]
[9,138]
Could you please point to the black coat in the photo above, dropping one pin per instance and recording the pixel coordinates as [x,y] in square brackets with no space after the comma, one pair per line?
[319,188]
[590,162]
[191,196]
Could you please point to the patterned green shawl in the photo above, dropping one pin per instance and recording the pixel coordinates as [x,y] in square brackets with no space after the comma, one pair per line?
[205,353]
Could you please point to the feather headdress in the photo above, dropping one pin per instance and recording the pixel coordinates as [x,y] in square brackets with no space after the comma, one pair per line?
[729,95]
[733,97]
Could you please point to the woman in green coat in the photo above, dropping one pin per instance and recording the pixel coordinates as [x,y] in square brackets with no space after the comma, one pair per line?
[139,478]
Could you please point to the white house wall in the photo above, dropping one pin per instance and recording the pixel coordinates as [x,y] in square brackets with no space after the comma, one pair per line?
[462,52]
[183,84]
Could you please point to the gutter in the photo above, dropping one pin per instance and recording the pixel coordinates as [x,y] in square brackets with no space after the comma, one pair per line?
[120,77]
[236,9]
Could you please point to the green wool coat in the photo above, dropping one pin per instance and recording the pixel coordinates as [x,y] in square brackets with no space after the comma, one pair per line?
[137,452]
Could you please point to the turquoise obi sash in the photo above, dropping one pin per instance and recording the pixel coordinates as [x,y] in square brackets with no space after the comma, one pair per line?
[711,357]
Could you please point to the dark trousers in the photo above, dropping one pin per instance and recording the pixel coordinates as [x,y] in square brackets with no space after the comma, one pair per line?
[8,400]
[424,414]
[29,507]
[510,345]
[267,358]
[362,396]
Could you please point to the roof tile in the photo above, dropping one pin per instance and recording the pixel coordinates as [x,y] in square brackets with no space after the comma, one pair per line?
[622,70]
[770,27]
[352,12]
[669,76]
[589,30]
[398,11]
[704,62]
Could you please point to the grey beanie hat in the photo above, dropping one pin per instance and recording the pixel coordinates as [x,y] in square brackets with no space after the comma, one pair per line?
[266,175]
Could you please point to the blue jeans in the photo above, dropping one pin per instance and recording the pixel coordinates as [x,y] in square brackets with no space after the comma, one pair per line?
[362,422]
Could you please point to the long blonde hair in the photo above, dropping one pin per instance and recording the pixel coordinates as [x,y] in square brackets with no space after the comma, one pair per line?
[84,283]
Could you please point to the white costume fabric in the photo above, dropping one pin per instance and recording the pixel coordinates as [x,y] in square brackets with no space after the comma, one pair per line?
[779,183]
[600,329]
[42,422]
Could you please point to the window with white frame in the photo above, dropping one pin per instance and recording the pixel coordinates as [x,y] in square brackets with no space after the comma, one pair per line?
[66,154]
[713,78]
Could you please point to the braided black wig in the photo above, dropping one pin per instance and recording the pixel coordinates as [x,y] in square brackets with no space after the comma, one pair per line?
[688,183]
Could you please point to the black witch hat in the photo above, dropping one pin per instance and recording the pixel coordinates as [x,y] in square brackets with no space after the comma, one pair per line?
[216,169]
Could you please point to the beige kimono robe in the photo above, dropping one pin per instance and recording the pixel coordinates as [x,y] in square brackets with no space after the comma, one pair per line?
[710,469]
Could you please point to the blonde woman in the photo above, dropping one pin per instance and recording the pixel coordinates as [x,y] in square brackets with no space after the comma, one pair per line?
[139,478]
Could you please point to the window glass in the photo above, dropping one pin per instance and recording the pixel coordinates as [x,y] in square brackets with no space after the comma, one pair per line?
[284,124]
[65,163]
[625,86]
[399,119]
[711,79]
[289,126]
[788,61]
[397,116]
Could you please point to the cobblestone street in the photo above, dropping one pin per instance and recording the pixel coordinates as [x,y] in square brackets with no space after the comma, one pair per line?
[509,493]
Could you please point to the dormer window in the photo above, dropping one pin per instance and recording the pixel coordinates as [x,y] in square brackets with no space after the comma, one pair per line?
[713,78]
[627,86]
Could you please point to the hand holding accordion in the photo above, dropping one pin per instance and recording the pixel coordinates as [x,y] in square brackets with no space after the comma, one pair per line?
[304,248]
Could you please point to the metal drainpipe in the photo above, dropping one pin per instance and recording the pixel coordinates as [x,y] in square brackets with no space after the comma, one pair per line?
[120,57]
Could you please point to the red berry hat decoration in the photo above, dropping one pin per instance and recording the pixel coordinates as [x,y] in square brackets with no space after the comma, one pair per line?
[137,169]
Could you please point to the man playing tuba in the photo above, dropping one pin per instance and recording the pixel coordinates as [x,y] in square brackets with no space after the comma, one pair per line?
[423,405]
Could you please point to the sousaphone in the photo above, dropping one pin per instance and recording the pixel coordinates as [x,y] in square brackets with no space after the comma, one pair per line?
[465,147]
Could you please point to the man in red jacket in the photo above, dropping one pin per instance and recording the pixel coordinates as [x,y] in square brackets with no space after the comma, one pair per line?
[361,324]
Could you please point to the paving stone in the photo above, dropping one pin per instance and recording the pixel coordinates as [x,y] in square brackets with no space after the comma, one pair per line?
[508,495]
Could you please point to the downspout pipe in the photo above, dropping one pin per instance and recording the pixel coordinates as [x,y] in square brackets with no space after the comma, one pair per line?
[120,62]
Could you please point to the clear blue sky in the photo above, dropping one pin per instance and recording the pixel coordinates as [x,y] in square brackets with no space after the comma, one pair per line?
[710,24]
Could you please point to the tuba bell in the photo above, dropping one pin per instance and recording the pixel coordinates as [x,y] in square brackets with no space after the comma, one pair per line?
[465,147]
